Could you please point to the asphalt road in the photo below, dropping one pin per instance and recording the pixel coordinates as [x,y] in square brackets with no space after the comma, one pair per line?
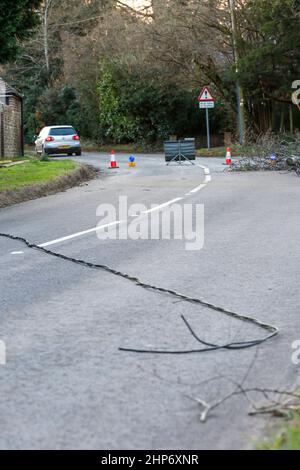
[66,384]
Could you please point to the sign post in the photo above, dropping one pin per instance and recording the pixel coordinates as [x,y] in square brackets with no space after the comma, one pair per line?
[207,128]
[207,101]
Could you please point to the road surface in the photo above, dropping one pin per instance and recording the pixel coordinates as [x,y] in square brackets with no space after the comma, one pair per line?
[67,385]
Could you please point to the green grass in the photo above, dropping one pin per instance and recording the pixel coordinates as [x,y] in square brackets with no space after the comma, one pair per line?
[237,151]
[288,438]
[14,159]
[33,172]
[122,148]
[90,146]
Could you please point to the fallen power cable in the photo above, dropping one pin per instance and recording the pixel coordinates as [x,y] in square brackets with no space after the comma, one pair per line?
[272,330]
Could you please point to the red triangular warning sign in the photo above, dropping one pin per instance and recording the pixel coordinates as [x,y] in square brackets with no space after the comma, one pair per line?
[205,95]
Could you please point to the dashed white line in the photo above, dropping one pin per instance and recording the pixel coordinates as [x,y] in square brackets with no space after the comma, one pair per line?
[207,180]
[196,190]
[79,234]
[161,206]
[118,222]
[206,170]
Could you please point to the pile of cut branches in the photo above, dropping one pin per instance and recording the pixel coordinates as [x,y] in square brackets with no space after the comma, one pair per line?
[271,152]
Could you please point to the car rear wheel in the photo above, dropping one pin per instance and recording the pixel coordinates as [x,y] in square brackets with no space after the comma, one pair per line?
[78,154]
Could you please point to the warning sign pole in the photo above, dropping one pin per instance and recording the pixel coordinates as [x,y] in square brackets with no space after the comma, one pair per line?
[207,101]
[207,128]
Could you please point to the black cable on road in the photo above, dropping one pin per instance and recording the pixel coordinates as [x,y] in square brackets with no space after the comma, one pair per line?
[272,330]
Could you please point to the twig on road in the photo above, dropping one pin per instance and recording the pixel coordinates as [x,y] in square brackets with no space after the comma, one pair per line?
[275,408]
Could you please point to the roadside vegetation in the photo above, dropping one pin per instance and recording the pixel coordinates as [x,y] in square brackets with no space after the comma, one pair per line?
[236,149]
[37,178]
[115,72]
[34,172]
[271,152]
[90,146]
[288,437]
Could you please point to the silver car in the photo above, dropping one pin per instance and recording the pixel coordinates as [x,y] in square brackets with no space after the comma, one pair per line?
[58,140]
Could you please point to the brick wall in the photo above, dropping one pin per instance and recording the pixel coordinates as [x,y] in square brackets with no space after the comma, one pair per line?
[10,130]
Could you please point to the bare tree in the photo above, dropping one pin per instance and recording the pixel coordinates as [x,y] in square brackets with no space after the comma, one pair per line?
[46,13]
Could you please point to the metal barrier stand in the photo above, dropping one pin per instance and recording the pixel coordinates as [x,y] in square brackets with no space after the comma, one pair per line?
[181,157]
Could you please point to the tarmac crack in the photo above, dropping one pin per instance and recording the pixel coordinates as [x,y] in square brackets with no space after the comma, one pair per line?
[271,330]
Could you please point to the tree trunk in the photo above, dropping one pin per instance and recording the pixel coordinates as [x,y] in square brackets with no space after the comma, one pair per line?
[46,38]
[291,119]
[282,119]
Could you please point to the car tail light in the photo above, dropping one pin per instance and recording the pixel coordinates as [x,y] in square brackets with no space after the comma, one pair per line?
[49,139]
[75,137]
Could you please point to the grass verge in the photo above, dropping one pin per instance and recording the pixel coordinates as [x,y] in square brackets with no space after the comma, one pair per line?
[35,179]
[120,148]
[236,150]
[33,172]
[88,146]
[288,437]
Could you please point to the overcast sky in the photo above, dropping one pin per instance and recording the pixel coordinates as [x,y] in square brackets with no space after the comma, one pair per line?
[136,3]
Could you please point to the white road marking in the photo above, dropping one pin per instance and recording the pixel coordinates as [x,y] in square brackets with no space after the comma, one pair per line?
[206,170]
[203,185]
[80,234]
[161,206]
[118,222]
[193,191]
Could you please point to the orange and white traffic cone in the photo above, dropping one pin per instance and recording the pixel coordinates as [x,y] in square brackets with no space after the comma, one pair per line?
[228,156]
[113,162]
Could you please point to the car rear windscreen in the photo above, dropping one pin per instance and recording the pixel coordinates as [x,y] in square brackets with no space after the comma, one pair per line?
[63,131]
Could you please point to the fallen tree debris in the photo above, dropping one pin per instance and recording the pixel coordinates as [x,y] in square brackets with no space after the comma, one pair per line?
[270,330]
[279,403]
[271,153]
